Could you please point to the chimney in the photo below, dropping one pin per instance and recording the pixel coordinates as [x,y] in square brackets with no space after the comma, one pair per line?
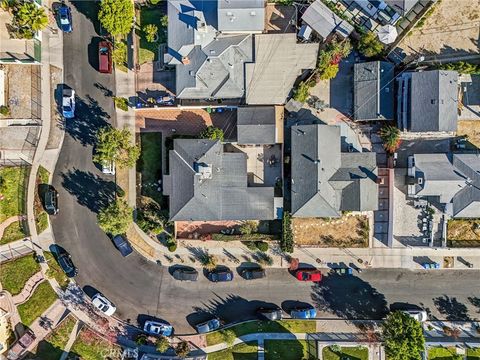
[185,60]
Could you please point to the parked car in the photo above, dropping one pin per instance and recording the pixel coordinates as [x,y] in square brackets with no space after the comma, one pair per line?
[253,273]
[309,275]
[166,100]
[306,312]
[207,326]
[273,313]
[158,328]
[220,275]
[185,274]
[105,57]
[108,168]
[68,103]
[50,201]
[18,349]
[103,304]
[122,245]
[65,18]
[65,261]
[419,315]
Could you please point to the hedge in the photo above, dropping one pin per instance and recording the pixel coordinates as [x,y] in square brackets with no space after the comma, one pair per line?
[251,237]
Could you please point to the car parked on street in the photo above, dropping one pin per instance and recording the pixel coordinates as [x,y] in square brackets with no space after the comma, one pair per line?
[185,274]
[105,57]
[207,326]
[122,245]
[103,304]
[50,201]
[158,328]
[272,313]
[108,168]
[65,18]
[309,275]
[68,103]
[303,312]
[419,315]
[64,259]
[253,273]
[220,275]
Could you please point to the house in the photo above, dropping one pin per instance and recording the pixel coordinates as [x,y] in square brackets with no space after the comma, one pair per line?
[279,61]
[260,125]
[324,21]
[453,180]
[211,181]
[241,16]
[326,181]
[373,91]
[427,101]
[402,7]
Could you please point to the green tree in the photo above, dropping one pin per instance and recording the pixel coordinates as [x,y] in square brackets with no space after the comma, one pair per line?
[119,54]
[248,227]
[151,32]
[462,67]
[403,337]
[28,18]
[212,133]
[286,244]
[162,344]
[369,45]
[391,138]
[209,261]
[121,103]
[116,16]
[182,349]
[228,336]
[329,72]
[330,57]
[302,92]
[116,145]
[115,218]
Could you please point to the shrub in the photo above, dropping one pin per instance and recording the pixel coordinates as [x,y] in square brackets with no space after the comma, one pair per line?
[212,133]
[261,245]
[336,348]
[154,2]
[461,67]
[28,18]
[172,246]
[121,103]
[162,344]
[119,54]
[248,227]
[369,45]
[302,92]
[329,72]
[228,336]
[286,244]
[141,339]
[209,261]
[264,259]
[164,21]
[332,55]
[151,32]
[182,349]
[245,238]
[250,245]
[4,110]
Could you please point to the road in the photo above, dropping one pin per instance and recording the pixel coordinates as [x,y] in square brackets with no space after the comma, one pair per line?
[142,289]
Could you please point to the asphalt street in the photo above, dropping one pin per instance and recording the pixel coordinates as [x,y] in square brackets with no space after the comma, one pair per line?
[141,289]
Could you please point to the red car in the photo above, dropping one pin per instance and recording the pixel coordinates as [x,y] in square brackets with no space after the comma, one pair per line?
[309,275]
[105,57]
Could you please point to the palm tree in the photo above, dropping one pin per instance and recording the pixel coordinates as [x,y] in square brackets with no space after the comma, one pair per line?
[30,18]
[391,138]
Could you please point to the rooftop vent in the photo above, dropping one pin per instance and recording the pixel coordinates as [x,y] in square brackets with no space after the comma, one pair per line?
[185,60]
[203,170]
[253,13]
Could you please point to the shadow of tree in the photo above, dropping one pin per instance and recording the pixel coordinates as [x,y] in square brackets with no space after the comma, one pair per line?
[451,308]
[89,118]
[360,301]
[475,301]
[89,189]
[90,10]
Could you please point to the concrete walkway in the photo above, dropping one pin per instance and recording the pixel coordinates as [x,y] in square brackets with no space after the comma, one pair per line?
[29,288]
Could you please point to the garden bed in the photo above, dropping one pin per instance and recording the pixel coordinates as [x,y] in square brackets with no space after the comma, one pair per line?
[13,191]
[244,351]
[148,51]
[41,299]
[90,346]
[15,273]
[52,346]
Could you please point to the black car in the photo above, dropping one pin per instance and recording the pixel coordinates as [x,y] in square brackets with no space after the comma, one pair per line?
[185,274]
[270,313]
[50,201]
[252,274]
[122,245]
[220,275]
[65,262]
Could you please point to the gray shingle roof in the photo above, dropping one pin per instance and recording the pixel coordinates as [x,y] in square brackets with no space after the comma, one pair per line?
[325,181]
[434,101]
[321,19]
[222,193]
[373,91]
[402,7]
[256,125]
[241,16]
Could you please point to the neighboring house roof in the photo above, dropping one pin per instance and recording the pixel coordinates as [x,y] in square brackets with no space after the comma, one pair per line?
[401,6]
[279,60]
[324,21]
[325,181]
[373,91]
[256,125]
[206,183]
[455,179]
[241,16]
[433,101]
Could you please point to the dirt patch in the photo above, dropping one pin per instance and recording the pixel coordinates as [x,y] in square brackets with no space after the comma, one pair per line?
[452,29]
[463,230]
[348,231]
[19,90]
[139,244]
[471,128]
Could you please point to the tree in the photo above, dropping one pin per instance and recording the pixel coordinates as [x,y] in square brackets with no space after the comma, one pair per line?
[151,32]
[462,67]
[403,337]
[208,261]
[121,103]
[182,349]
[119,54]
[228,336]
[328,59]
[115,218]
[28,18]
[116,145]
[286,244]
[116,16]
[329,72]
[391,138]
[248,227]
[162,344]
[212,133]
[369,45]
[302,92]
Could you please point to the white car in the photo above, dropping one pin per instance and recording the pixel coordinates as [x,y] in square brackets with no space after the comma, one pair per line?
[68,103]
[103,304]
[419,315]
[158,328]
[108,168]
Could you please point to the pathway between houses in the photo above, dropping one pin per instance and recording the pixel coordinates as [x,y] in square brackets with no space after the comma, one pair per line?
[29,288]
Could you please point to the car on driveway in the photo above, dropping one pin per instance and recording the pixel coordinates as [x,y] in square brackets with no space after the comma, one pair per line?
[309,275]
[303,312]
[122,245]
[207,326]
[419,315]
[50,201]
[68,103]
[253,273]
[158,328]
[220,275]
[108,167]
[185,274]
[103,304]
[65,261]
[105,57]
[65,18]
[272,313]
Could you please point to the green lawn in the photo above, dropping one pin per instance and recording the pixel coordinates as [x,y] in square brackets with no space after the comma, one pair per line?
[473,354]
[290,350]
[39,301]
[51,348]
[13,232]
[55,271]
[147,51]
[150,164]
[283,326]
[245,351]
[351,353]
[89,346]
[12,181]
[41,222]
[43,175]
[439,353]
[16,273]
